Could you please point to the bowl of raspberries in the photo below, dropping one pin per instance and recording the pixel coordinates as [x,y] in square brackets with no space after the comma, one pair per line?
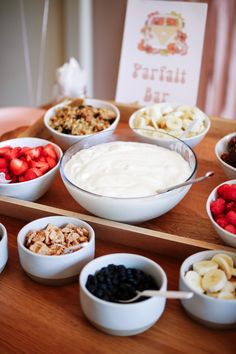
[221,209]
[225,151]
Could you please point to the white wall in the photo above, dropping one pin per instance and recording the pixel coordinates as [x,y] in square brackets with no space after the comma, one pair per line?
[69,34]
[13,85]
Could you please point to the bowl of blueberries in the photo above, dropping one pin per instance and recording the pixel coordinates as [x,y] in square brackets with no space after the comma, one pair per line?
[107,281]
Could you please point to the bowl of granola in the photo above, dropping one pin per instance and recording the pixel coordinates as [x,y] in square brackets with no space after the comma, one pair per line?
[70,121]
[54,249]
[163,121]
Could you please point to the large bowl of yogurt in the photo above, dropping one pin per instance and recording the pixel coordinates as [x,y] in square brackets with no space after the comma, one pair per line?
[119,176]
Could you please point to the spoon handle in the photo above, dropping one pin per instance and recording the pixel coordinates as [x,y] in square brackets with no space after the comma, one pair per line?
[191,181]
[169,294]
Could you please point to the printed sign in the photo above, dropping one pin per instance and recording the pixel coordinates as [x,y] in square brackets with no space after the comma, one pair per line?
[161,52]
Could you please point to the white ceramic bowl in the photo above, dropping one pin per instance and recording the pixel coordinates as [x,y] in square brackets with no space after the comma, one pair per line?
[227,237]
[122,319]
[133,209]
[220,148]
[35,188]
[210,311]
[160,107]
[54,270]
[3,247]
[66,140]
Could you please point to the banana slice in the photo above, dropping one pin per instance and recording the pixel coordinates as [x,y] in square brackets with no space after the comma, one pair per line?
[203,267]
[139,122]
[228,259]
[176,133]
[228,288]
[193,279]
[167,110]
[225,295]
[233,272]
[214,280]
[161,123]
[212,294]
[223,264]
[173,123]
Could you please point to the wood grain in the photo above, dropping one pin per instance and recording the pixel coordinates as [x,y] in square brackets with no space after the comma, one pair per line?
[37,319]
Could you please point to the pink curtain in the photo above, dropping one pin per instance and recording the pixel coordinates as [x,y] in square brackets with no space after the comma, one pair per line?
[217,89]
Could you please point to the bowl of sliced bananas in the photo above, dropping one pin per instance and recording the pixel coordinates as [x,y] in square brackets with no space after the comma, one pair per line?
[211,276]
[181,121]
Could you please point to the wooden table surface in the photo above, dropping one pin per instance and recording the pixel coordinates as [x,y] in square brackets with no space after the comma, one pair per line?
[40,319]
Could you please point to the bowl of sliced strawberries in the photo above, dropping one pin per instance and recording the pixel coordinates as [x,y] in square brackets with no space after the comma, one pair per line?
[28,167]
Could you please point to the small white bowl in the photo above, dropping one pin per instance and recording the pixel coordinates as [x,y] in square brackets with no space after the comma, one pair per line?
[220,148]
[3,247]
[209,311]
[35,188]
[129,209]
[122,319]
[226,236]
[160,107]
[54,270]
[66,140]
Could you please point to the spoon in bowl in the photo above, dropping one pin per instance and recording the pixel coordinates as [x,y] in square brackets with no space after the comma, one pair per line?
[3,178]
[191,181]
[159,293]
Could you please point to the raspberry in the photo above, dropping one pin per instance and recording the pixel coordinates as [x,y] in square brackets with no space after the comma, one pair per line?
[230,228]
[231,217]
[222,221]
[222,189]
[229,206]
[217,206]
[229,193]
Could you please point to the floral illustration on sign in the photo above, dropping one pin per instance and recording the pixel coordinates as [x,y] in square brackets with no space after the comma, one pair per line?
[163,34]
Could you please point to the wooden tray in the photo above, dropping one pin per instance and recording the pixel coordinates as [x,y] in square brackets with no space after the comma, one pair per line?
[39,319]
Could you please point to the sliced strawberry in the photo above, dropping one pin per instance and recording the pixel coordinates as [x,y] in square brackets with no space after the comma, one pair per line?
[21,178]
[49,150]
[43,166]
[14,153]
[18,167]
[32,173]
[51,162]
[3,162]
[5,150]
[42,158]
[24,150]
[14,179]
[34,153]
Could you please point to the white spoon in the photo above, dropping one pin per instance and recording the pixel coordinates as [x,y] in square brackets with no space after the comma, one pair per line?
[159,293]
[191,181]
[3,178]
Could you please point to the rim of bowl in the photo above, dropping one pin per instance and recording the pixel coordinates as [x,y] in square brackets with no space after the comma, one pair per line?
[20,242]
[224,139]
[210,199]
[128,198]
[117,304]
[3,232]
[182,273]
[47,117]
[207,119]
[60,153]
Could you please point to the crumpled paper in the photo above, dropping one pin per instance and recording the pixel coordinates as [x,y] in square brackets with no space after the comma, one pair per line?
[71,81]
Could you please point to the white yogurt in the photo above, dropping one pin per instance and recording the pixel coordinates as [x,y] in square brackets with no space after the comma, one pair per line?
[126,169]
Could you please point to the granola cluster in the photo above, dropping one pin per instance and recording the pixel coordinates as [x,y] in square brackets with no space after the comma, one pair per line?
[54,241]
[77,118]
